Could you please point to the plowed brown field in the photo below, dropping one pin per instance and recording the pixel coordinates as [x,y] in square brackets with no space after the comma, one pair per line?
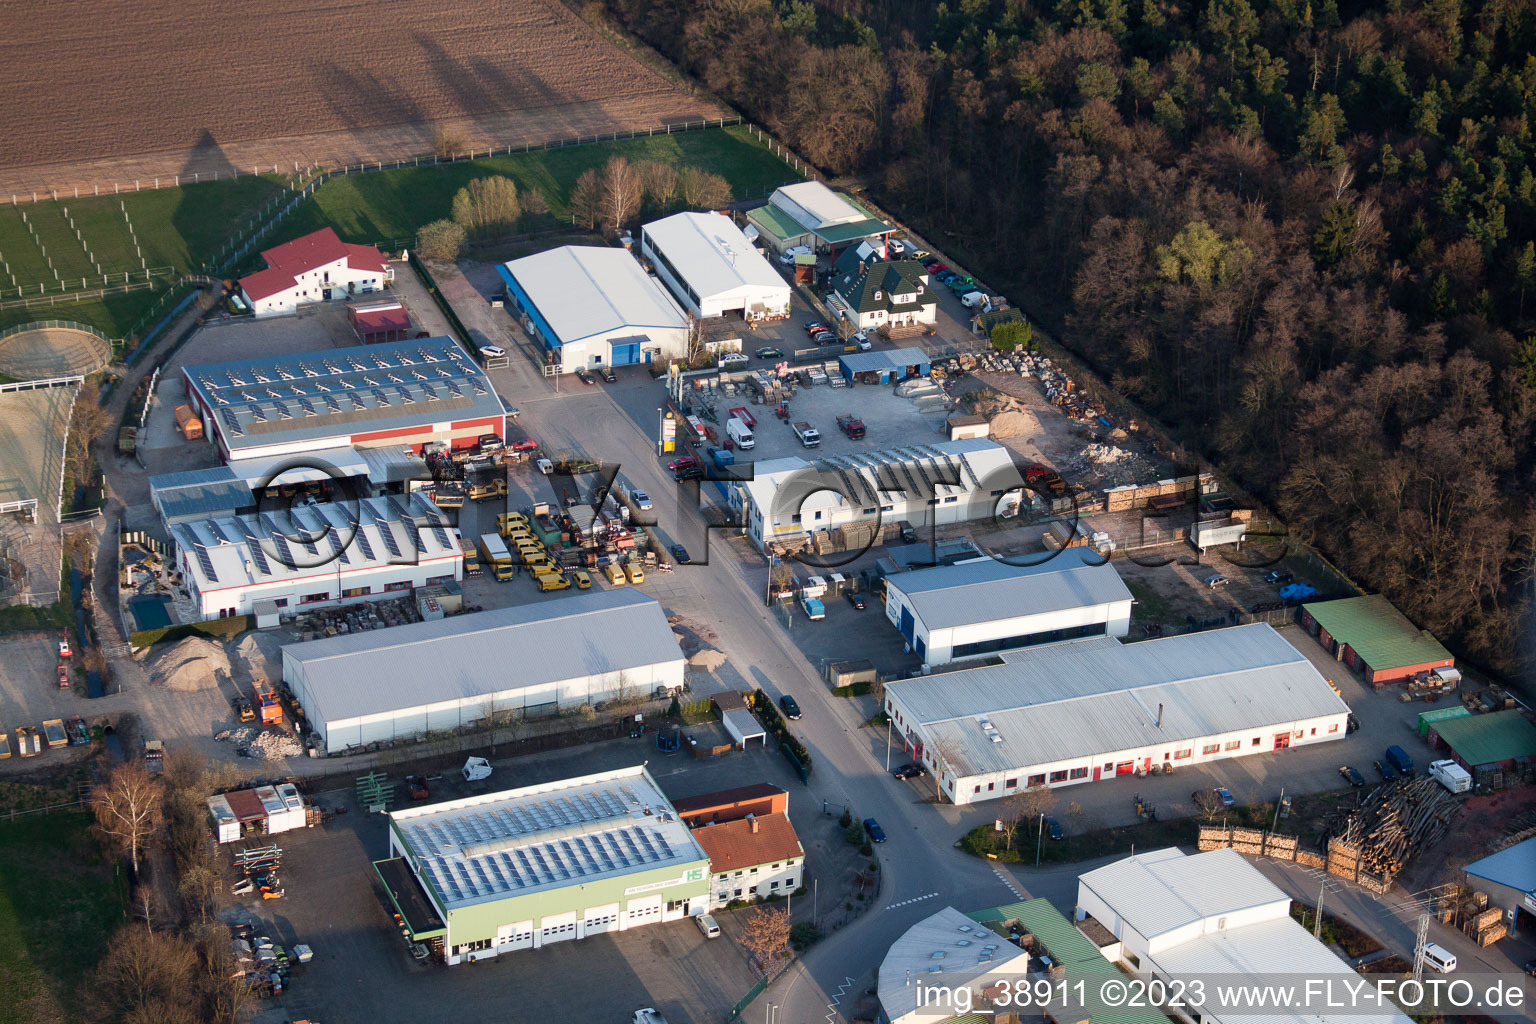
[102,90]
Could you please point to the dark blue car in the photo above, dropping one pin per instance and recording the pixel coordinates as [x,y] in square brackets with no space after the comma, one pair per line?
[873,829]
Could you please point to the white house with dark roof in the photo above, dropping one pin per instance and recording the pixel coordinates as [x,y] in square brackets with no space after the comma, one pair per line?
[872,291]
[318,267]
[972,609]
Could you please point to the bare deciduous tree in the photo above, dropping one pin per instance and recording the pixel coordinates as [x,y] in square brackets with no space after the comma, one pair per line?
[620,193]
[448,142]
[659,182]
[129,809]
[586,199]
[487,206]
[766,935]
[703,190]
[141,966]
[87,424]
[1029,804]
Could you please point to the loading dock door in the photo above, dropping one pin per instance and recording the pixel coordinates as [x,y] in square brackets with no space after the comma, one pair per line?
[920,647]
[907,624]
[624,351]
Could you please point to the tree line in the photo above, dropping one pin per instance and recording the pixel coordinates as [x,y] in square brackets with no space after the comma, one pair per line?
[1299,233]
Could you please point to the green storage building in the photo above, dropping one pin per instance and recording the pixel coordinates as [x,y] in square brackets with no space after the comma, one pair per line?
[524,868]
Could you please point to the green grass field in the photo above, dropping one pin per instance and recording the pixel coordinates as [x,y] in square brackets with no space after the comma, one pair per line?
[182,228]
[388,205]
[58,904]
[114,315]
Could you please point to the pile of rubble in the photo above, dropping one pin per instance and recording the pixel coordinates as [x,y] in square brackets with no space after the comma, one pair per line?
[274,746]
[356,618]
[239,735]
[1104,465]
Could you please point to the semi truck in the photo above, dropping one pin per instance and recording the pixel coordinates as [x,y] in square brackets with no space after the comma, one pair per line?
[808,435]
[1451,775]
[497,558]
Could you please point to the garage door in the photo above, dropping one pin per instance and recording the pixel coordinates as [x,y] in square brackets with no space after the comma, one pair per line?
[626,352]
[907,623]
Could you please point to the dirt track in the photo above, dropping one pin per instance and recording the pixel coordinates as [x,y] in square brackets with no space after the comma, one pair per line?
[136,89]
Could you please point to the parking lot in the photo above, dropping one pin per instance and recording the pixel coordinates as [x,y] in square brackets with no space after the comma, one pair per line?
[362,969]
[29,690]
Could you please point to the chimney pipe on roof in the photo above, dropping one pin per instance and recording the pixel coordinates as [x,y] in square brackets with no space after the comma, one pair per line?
[1159,716]
[753,823]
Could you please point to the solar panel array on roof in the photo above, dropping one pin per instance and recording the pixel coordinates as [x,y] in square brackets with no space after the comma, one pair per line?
[408,370]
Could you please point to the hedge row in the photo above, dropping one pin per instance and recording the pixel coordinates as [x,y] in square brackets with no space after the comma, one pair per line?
[221,629]
[858,689]
[768,713]
[438,297]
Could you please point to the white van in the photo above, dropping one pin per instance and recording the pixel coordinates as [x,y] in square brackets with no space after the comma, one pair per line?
[740,432]
[710,929]
[1439,958]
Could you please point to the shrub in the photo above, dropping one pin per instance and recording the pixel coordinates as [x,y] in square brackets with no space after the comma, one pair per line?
[846,819]
[867,850]
[1008,336]
[854,835]
[803,934]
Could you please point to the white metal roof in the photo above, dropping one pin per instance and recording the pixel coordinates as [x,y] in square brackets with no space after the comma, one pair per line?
[1163,890]
[550,836]
[587,290]
[815,205]
[469,656]
[947,948]
[1080,698]
[712,254]
[919,470]
[316,540]
[1160,891]
[986,590]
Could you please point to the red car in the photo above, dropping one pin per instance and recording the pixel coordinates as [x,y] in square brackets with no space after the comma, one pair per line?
[63,676]
[814,326]
[686,462]
[527,444]
[935,267]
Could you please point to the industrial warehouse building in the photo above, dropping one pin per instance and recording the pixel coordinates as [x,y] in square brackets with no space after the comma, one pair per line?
[811,214]
[1213,914]
[528,660]
[318,267]
[953,612]
[591,306]
[526,868]
[1509,879]
[322,406]
[316,555]
[1375,639]
[711,267]
[1087,710]
[951,950]
[1502,741]
[792,500]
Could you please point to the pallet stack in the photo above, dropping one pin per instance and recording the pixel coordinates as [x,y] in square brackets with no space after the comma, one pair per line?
[1487,927]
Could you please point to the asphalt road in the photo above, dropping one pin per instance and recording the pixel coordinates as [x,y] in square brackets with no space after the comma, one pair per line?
[921,870]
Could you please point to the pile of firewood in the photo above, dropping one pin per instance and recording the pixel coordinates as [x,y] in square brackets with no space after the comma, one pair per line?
[1391,825]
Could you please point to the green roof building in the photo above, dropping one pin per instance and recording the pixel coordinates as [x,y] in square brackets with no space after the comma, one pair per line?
[809,213]
[1479,740]
[1375,639]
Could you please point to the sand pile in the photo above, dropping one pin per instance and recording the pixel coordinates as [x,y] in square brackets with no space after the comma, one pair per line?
[260,656]
[1006,416]
[707,659]
[190,664]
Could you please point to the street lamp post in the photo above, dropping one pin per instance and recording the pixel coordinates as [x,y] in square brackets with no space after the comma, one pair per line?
[1039,839]
[887,742]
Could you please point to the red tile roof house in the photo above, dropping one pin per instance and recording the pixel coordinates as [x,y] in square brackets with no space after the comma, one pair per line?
[751,858]
[316,268]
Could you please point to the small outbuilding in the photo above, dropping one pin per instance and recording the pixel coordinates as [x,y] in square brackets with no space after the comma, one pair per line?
[1487,742]
[1375,639]
[738,720]
[962,426]
[885,365]
[377,322]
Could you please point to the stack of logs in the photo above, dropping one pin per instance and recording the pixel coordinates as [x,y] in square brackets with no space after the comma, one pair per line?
[1390,826]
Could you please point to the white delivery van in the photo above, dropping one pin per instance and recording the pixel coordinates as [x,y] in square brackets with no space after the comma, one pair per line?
[1451,775]
[1439,958]
[740,433]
